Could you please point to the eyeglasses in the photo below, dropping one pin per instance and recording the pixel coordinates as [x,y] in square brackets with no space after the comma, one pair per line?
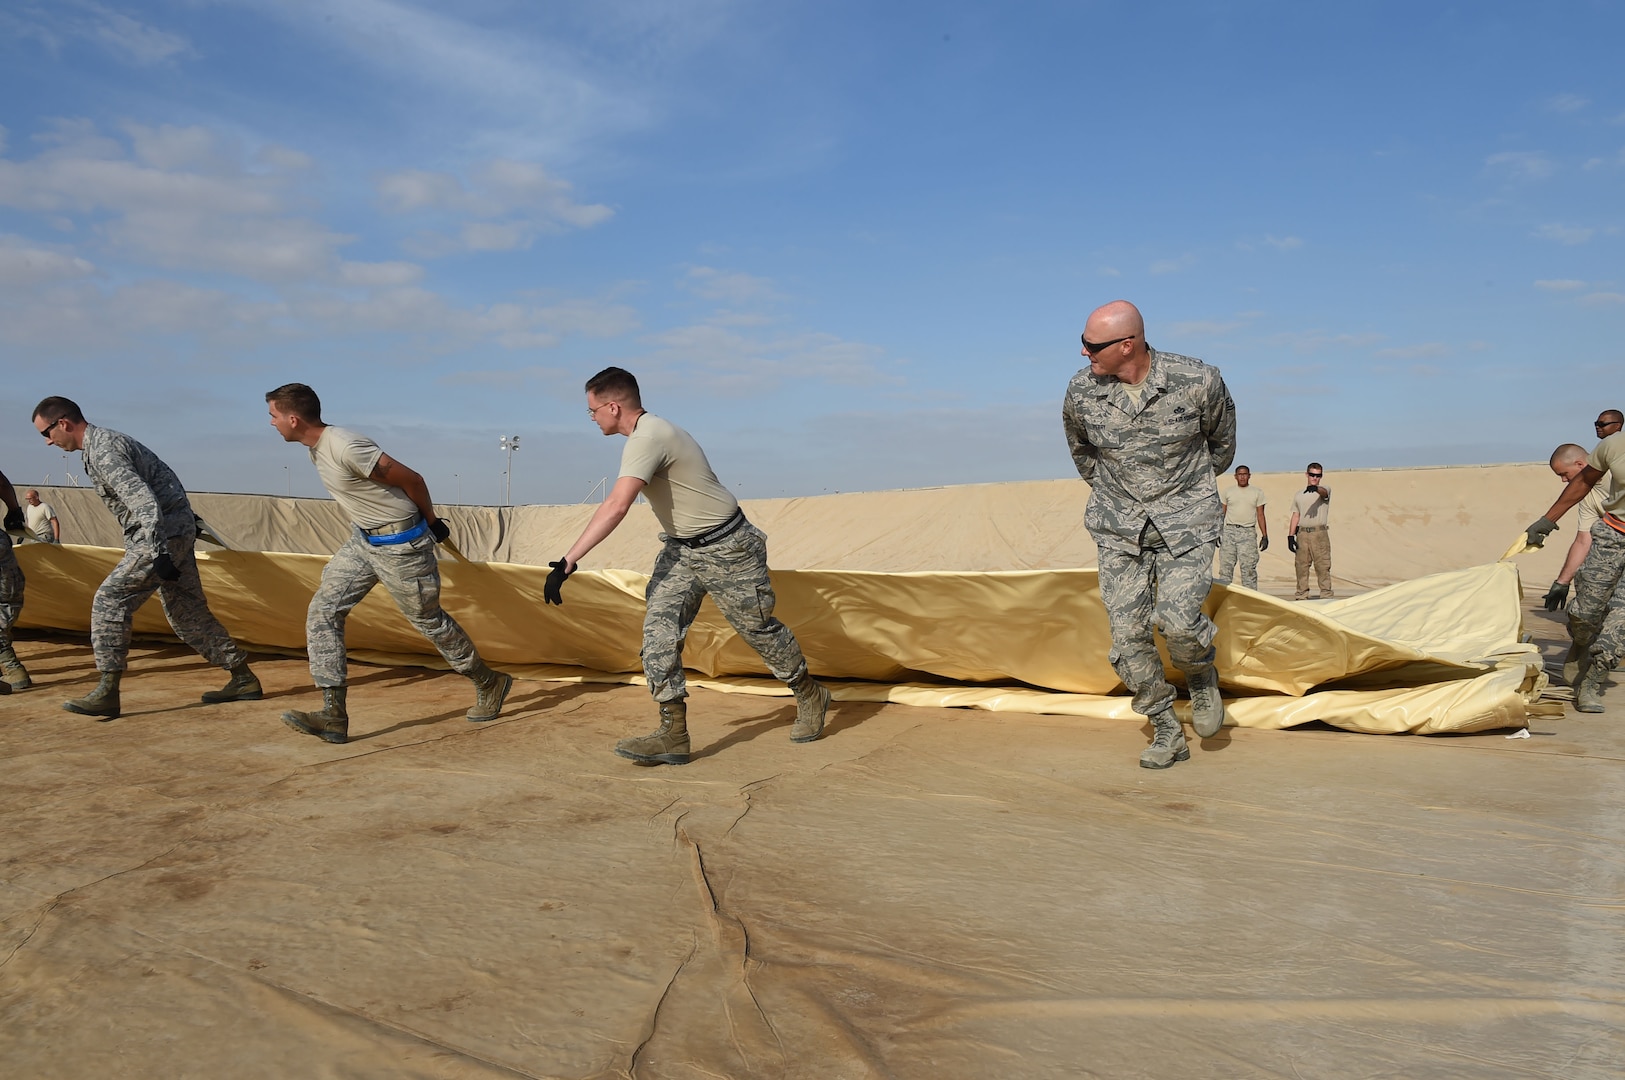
[1315,475]
[1091,347]
[1605,423]
[48,428]
[592,413]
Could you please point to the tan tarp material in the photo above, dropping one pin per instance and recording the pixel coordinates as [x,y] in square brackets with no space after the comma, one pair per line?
[1438,654]
[1387,526]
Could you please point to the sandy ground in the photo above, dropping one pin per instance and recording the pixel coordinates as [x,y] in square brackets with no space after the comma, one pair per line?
[198,891]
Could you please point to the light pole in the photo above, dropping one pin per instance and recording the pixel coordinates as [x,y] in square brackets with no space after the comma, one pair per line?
[458,477]
[510,443]
[288,476]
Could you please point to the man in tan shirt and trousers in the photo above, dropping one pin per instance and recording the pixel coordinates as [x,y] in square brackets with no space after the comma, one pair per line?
[1309,535]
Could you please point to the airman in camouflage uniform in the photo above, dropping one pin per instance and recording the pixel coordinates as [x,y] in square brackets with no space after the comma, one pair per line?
[710,549]
[11,592]
[1597,610]
[393,542]
[160,529]
[1150,431]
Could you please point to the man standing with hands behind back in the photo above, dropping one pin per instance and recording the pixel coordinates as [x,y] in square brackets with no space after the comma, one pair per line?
[1150,432]
[1246,533]
[1309,533]
[393,540]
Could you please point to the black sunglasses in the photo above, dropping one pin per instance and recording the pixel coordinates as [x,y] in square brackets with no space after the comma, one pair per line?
[46,430]
[1093,347]
[1604,423]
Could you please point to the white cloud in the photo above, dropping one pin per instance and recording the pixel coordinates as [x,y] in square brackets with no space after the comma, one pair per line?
[1522,164]
[1204,328]
[1603,299]
[176,197]
[1565,234]
[543,96]
[506,205]
[733,363]
[1566,103]
[1109,271]
[1173,266]
[1560,285]
[730,288]
[373,275]
[125,37]
[1304,342]
[23,265]
[1417,351]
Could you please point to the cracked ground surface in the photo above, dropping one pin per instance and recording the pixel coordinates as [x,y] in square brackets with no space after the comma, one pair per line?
[196,890]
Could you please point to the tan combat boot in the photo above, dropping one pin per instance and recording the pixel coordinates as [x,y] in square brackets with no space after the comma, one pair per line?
[812,703]
[102,702]
[668,745]
[492,688]
[1168,745]
[1207,706]
[1588,692]
[16,675]
[242,687]
[332,724]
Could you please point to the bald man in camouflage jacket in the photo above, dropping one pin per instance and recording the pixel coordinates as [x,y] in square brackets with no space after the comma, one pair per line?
[1150,432]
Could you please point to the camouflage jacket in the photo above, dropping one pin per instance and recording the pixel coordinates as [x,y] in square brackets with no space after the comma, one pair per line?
[144,494]
[1156,460]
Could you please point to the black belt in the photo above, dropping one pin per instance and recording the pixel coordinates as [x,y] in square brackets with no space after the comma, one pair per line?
[1312,528]
[727,528]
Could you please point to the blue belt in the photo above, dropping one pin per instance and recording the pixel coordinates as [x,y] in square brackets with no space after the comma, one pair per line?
[420,529]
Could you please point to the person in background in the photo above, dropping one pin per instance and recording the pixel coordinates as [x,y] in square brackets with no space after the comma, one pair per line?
[1246,533]
[1309,534]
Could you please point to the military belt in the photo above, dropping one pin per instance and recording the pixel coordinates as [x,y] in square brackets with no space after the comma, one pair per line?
[1312,528]
[727,528]
[380,538]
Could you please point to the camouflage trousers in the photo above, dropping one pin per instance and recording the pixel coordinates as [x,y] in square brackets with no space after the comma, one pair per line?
[1314,548]
[1157,590]
[1239,544]
[733,572]
[128,587]
[412,576]
[1597,608]
[11,589]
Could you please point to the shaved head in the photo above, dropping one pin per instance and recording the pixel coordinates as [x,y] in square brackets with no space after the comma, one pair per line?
[1116,319]
[1567,454]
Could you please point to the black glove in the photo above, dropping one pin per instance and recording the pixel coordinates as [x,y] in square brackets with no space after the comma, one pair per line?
[1311,487]
[555,581]
[15,522]
[165,567]
[1557,597]
[440,530]
[1263,543]
[1292,542]
[1537,533]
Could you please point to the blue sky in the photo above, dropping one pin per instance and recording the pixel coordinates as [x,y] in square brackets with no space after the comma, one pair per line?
[850,246]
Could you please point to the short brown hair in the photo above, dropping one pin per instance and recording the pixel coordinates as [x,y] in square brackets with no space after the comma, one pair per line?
[55,408]
[298,399]
[617,384]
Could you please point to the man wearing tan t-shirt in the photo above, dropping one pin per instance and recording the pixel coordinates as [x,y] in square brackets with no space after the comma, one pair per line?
[1567,461]
[393,541]
[1598,606]
[1246,533]
[710,549]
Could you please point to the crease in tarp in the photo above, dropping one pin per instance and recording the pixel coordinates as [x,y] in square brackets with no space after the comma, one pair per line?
[1437,654]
